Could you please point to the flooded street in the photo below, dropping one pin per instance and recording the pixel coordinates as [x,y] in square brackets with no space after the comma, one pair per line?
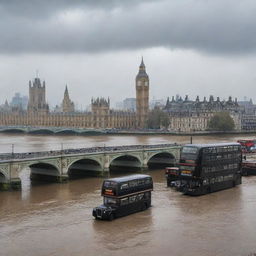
[56,219]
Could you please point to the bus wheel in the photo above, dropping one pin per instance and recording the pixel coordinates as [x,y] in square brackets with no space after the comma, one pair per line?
[111,217]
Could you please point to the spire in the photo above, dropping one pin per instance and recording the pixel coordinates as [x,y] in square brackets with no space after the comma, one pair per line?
[142,63]
[142,70]
[66,95]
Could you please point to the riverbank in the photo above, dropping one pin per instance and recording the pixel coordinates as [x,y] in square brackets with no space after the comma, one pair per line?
[95,132]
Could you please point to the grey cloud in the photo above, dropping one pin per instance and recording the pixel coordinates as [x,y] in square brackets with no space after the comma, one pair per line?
[42,8]
[219,26]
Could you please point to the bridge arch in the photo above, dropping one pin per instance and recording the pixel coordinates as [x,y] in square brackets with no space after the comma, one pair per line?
[161,160]
[125,162]
[41,131]
[3,178]
[13,130]
[84,167]
[44,171]
[67,132]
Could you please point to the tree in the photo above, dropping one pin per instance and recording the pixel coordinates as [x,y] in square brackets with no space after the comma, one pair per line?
[157,119]
[221,121]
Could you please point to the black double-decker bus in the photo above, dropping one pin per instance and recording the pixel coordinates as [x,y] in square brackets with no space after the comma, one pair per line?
[206,168]
[123,196]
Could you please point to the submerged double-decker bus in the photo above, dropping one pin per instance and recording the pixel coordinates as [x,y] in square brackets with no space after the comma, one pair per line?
[206,168]
[124,195]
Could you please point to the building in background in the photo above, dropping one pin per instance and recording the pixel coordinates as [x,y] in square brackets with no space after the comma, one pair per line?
[68,106]
[189,116]
[159,103]
[185,115]
[129,104]
[19,101]
[37,103]
[142,96]
[101,116]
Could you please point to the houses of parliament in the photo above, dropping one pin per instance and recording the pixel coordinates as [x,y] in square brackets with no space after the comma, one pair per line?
[185,115]
[100,116]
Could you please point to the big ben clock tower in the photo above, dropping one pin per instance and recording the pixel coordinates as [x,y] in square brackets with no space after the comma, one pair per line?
[142,93]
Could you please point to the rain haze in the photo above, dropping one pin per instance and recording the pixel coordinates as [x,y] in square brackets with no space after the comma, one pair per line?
[190,47]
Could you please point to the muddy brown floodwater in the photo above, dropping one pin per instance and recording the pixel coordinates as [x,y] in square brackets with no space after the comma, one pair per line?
[55,219]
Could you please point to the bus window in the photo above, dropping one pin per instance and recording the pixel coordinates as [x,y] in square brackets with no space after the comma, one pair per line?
[140,196]
[124,201]
[124,186]
[141,182]
[147,195]
[132,199]
[133,183]
[109,184]
[148,181]
[189,150]
[110,201]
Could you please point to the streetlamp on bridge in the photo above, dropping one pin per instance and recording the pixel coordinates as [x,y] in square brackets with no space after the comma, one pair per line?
[12,149]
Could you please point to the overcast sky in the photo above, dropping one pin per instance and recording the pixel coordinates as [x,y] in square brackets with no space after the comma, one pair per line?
[194,47]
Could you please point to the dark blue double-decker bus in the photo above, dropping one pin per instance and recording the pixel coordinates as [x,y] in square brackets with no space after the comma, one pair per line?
[206,168]
[124,195]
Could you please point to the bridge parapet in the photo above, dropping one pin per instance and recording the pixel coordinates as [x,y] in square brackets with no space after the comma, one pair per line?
[58,153]
[97,160]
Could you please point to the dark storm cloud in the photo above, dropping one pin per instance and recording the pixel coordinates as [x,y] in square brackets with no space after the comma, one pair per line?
[219,26]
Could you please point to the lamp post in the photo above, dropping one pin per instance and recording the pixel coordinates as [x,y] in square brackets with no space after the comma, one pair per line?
[12,150]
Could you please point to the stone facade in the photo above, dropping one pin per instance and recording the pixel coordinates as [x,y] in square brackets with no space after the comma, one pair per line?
[67,105]
[142,96]
[100,116]
[185,115]
[37,103]
[189,116]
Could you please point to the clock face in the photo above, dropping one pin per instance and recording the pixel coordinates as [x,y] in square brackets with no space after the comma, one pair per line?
[146,83]
[139,83]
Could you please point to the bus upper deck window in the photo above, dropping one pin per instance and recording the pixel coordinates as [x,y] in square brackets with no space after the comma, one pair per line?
[133,183]
[124,186]
[109,184]
[147,181]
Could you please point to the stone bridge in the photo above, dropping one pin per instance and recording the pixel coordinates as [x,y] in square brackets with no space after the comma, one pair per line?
[64,164]
[51,130]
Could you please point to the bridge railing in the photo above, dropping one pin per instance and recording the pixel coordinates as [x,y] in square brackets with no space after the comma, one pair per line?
[40,154]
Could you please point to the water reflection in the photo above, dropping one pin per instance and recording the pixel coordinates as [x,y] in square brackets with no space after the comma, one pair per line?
[120,234]
[56,219]
[27,143]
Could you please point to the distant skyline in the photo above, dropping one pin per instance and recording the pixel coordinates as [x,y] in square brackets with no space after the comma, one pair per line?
[190,47]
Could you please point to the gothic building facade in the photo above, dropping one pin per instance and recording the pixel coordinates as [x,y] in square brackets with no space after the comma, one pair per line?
[185,115]
[142,96]
[68,106]
[37,103]
[101,115]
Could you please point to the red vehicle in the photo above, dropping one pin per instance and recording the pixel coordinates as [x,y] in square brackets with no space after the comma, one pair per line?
[172,175]
[248,145]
